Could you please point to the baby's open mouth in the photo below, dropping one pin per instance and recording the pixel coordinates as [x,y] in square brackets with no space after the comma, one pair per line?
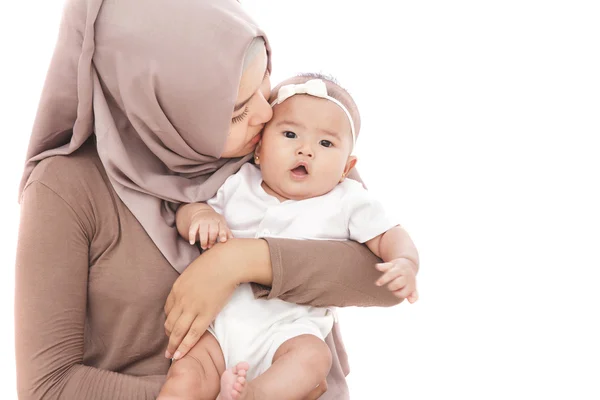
[300,170]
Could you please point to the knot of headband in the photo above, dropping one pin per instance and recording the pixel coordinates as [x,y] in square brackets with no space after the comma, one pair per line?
[313,87]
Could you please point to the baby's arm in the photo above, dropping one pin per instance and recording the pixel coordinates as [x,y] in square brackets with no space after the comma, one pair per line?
[400,262]
[199,221]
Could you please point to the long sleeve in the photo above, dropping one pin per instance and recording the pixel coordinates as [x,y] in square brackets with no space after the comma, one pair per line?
[324,273]
[50,307]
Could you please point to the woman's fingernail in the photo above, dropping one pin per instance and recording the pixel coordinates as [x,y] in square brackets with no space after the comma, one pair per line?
[167,354]
[177,355]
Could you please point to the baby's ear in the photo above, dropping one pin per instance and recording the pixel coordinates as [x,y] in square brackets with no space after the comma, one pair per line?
[349,165]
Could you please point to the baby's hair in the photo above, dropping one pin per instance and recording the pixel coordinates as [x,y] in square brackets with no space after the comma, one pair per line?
[334,89]
[321,75]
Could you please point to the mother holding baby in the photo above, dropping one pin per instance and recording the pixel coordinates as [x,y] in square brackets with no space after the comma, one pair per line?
[139,101]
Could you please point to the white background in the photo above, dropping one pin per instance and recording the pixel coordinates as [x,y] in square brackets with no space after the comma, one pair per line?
[481,122]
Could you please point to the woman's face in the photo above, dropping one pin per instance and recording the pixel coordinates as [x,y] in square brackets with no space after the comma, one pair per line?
[252,109]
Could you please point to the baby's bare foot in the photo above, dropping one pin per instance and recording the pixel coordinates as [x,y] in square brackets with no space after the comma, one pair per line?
[233,383]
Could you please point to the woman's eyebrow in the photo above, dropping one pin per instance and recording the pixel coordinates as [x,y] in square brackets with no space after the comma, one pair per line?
[243,103]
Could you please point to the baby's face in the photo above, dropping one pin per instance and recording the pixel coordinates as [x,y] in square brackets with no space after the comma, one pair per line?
[305,148]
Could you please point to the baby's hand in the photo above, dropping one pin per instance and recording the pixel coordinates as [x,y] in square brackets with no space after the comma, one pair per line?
[207,226]
[400,277]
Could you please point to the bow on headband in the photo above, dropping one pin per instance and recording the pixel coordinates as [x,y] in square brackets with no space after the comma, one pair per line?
[313,87]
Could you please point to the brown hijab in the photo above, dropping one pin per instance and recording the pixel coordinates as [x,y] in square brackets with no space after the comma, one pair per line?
[156,81]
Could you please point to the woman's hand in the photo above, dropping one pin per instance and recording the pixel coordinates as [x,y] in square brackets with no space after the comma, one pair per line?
[206,285]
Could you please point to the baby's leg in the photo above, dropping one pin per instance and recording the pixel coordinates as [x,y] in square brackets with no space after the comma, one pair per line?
[196,376]
[299,365]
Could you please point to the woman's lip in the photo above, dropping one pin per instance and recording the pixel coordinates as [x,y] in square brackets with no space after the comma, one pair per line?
[255,139]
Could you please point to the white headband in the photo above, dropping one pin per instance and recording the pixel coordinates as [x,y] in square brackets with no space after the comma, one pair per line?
[313,87]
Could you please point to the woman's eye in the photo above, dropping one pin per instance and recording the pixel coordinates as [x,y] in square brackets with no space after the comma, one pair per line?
[240,117]
[326,143]
[290,135]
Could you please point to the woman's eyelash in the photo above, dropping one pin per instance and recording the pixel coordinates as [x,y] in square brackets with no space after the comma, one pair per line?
[240,117]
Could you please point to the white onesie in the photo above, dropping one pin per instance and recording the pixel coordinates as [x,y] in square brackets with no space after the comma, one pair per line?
[250,329]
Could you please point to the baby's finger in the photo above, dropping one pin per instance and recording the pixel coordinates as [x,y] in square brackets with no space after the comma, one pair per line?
[229,234]
[403,293]
[391,274]
[223,234]
[203,231]
[193,232]
[414,296]
[397,284]
[196,331]
[213,232]
[383,266]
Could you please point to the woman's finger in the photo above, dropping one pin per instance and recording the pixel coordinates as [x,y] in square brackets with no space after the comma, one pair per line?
[172,318]
[194,334]
[169,303]
[180,329]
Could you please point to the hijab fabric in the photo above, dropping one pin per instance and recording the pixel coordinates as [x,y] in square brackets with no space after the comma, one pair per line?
[156,83]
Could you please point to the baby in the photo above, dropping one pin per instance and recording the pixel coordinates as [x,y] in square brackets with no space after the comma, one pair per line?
[274,349]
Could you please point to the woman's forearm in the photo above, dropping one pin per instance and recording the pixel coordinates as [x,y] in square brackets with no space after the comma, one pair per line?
[324,273]
[248,260]
[314,272]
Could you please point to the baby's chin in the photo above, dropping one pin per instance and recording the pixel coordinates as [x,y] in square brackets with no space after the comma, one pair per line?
[304,193]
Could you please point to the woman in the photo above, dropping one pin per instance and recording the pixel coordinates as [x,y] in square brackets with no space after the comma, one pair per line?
[135,110]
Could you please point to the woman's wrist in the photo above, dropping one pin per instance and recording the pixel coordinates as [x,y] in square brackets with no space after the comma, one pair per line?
[247,260]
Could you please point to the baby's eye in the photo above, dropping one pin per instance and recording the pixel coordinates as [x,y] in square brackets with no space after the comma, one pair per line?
[326,143]
[290,135]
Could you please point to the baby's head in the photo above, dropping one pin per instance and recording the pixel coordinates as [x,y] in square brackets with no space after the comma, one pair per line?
[306,148]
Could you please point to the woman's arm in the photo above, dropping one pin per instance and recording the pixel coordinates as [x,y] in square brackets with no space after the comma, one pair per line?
[315,272]
[51,292]
[325,273]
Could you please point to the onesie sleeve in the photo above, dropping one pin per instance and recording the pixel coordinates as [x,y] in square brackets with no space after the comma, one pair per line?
[365,215]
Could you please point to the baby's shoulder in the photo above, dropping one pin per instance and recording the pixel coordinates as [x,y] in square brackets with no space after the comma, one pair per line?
[349,189]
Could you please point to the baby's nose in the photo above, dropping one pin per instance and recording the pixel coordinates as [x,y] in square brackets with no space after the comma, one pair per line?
[305,151]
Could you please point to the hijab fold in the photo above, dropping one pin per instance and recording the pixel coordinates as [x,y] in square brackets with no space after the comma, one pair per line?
[156,83]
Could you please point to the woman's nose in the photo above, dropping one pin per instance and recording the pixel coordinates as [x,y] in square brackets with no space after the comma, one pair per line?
[262,112]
